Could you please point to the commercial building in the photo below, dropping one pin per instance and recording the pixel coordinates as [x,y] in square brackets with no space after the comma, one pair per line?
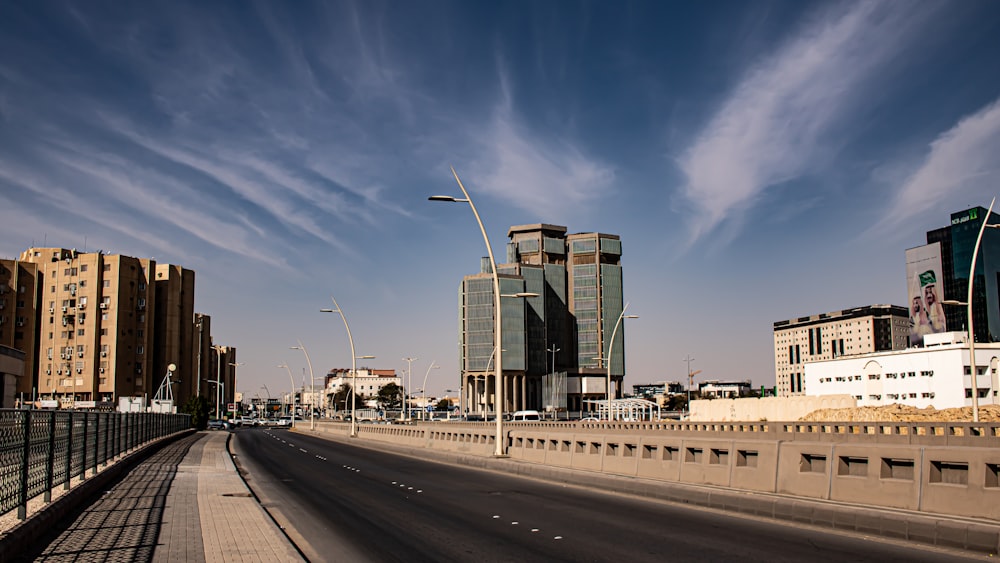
[826,336]
[555,344]
[98,327]
[939,271]
[936,375]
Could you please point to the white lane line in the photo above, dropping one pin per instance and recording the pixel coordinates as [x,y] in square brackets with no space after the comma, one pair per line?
[557,538]
[495,516]
[303,451]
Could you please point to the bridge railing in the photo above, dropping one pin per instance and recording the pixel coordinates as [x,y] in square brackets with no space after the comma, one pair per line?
[43,449]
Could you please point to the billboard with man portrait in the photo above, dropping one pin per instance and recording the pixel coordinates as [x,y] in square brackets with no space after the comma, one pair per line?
[925,292]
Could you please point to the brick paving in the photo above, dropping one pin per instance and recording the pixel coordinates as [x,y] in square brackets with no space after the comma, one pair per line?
[184,503]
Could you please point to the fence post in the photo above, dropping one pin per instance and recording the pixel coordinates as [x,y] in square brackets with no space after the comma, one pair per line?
[83,449]
[107,439]
[50,462]
[22,494]
[97,441]
[69,451]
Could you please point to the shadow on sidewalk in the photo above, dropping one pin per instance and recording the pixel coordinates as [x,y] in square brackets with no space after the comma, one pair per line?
[122,524]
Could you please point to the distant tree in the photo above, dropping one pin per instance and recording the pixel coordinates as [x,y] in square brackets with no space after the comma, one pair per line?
[443,405]
[390,396]
[342,399]
[198,408]
[677,402]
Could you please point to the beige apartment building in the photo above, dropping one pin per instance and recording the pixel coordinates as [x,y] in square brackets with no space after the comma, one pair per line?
[826,336]
[96,327]
[19,297]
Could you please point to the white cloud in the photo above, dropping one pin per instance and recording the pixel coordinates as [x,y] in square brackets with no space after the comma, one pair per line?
[547,177]
[772,127]
[962,162]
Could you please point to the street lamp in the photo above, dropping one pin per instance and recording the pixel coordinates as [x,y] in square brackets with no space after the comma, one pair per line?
[236,367]
[500,450]
[218,376]
[291,397]
[312,385]
[611,345]
[409,383]
[354,365]
[423,390]
[972,336]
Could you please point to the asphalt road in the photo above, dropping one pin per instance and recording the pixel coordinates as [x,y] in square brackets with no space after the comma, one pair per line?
[344,503]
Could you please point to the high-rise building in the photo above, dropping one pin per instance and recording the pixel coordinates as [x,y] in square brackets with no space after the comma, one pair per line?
[850,332]
[555,344]
[107,326]
[956,244]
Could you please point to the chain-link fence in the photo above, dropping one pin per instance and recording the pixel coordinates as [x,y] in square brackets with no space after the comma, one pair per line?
[41,449]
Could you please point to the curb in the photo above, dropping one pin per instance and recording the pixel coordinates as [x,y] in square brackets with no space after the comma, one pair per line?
[26,534]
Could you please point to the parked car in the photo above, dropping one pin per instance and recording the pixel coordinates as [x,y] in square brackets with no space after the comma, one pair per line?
[217,424]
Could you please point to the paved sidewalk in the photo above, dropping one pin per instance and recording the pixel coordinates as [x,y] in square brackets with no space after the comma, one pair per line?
[184,503]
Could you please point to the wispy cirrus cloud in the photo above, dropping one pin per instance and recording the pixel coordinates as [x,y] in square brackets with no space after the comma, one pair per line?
[961,163]
[774,125]
[546,175]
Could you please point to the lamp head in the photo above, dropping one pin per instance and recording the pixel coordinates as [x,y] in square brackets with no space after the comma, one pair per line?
[443,198]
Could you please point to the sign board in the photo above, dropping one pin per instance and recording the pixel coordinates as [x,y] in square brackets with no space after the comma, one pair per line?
[925,292]
[231,407]
[86,404]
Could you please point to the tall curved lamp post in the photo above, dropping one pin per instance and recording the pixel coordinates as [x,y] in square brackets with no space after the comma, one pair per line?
[354,365]
[500,450]
[611,346]
[423,389]
[236,368]
[218,376]
[974,375]
[312,385]
[409,385]
[291,396]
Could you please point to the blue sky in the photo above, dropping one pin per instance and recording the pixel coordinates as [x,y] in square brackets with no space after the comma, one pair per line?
[760,160]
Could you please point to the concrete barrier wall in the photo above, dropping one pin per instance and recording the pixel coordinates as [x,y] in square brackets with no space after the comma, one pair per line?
[943,468]
[766,408]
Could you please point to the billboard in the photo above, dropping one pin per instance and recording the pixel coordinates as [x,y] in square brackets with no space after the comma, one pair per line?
[925,291]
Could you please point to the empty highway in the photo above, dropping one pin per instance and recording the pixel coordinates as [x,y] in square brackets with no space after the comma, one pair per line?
[339,502]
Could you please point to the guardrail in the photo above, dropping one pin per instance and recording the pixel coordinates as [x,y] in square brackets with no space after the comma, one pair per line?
[937,468]
[41,449]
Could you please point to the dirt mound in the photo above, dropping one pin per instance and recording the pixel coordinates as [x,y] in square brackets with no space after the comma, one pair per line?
[903,413]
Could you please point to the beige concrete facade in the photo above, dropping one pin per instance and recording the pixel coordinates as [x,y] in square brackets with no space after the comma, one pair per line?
[850,332]
[105,326]
[95,338]
[175,333]
[752,409]
[20,294]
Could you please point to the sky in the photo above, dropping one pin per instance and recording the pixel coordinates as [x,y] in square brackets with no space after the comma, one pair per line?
[760,161]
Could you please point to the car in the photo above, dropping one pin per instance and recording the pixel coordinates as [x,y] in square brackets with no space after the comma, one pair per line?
[526,416]
[217,424]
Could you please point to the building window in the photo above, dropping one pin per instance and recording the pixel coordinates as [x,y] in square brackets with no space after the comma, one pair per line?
[107,283]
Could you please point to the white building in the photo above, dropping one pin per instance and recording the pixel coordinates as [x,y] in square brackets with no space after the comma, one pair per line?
[369,381]
[724,389]
[934,376]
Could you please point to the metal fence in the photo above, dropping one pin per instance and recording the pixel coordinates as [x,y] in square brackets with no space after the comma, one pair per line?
[42,449]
